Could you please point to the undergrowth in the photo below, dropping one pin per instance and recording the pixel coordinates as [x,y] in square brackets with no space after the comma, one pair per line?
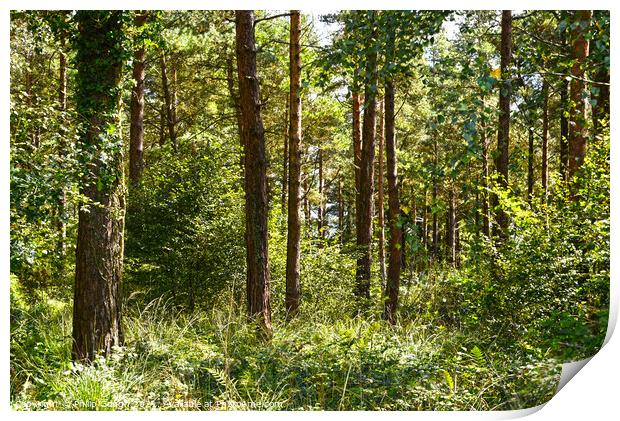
[173,360]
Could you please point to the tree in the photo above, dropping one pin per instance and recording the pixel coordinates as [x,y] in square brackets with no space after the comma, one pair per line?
[503,131]
[364,229]
[357,150]
[293,239]
[99,252]
[169,112]
[395,245]
[580,47]
[253,135]
[380,190]
[136,129]
[545,141]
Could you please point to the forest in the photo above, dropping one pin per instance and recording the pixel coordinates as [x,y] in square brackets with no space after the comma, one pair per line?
[288,210]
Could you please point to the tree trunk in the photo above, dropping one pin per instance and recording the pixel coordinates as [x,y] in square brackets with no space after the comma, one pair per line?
[380,199]
[99,252]
[306,202]
[486,228]
[321,209]
[396,244]
[62,106]
[340,211]
[234,104]
[285,157]
[545,142]
[530,163]
[425,220]
[435,254]
[136,129]
[174,99]
[357,152]
[167,99]
[253,135]
[564,107]
[580,50]
[451,228]
[503,132]
[364,231]
[293,250]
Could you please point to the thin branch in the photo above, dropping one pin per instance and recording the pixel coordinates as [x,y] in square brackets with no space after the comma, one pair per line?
[271,17]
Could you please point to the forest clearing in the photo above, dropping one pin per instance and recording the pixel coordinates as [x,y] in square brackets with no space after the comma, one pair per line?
[289,210]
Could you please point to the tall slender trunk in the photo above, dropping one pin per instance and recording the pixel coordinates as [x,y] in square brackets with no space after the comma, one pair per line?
[136,129]
[564,106]
[600,109]
[306,201]
[62,81]
[425,220]
[99,252]
[162,125]
[530,163]
[167,99]
[294,226]
[396,244]
[364,231]
[31,102]
[174,90]
[321,210]
[62,106]
[435,254]
[545,142]
[580,50]
[234,104]
[484,182]
[451,228]
[285,157]
[503,132]
[380,199]
[340,211]
[253,135]
[357,152]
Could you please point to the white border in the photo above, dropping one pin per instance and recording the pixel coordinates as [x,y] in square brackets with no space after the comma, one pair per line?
[592,394]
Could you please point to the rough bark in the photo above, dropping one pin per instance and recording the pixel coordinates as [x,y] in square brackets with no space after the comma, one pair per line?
[364,230]
[503,132]
[293,250]
[253,135]
[136,129]
[395,244]
[580,50]
[380,193]
[99,252]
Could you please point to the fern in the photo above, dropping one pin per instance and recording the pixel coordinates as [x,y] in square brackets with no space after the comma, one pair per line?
[478,356]
[449,380]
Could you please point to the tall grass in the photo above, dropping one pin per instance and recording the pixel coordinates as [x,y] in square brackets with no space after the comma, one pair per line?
[172,360]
